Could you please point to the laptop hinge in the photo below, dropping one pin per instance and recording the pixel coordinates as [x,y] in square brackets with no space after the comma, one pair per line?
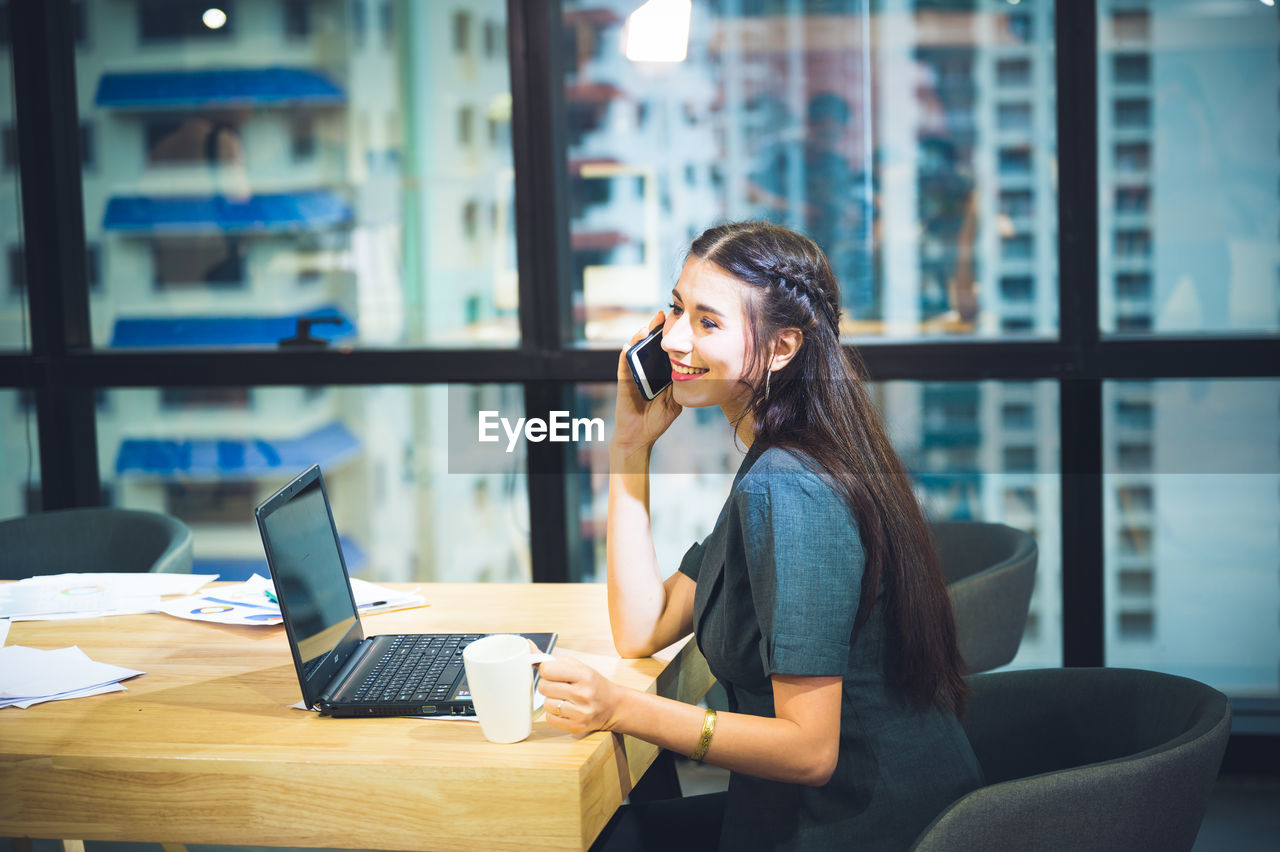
[345,672]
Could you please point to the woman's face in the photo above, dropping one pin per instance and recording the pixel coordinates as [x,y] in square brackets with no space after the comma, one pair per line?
[707,338]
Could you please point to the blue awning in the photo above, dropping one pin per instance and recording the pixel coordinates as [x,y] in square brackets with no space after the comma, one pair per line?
[236,458]
[241,569]
[188,214]
[171,332]
[217,87]
[945,481]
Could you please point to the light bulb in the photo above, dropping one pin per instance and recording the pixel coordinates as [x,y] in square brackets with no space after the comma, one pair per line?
[214,19]
[659,31]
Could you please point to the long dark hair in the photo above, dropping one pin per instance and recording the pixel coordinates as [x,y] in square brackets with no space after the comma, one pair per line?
[818,404]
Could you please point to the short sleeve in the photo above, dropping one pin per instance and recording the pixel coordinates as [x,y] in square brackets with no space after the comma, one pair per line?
[691,564]
[805,561]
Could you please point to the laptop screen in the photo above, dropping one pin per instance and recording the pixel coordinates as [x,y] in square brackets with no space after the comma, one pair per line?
[310,579]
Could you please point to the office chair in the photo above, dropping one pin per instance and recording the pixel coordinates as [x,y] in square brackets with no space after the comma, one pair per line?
[91,540]
[990,571]
[88,540]
[1098,759]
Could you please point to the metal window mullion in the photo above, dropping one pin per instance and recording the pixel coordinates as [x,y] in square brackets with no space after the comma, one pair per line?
[1080,425]
[48,128]
[542,248]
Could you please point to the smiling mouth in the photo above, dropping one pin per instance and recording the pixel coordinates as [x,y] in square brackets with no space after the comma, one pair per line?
[682,370]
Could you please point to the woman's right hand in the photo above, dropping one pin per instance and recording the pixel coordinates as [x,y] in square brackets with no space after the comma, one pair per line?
[638,422]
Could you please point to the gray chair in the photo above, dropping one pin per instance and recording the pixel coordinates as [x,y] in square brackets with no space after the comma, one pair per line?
[92,540]
[1097,759]
[990,571]
[86,540]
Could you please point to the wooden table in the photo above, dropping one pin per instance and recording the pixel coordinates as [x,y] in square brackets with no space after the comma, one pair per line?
[204,748]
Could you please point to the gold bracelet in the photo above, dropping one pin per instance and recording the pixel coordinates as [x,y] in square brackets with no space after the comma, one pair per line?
[704,741]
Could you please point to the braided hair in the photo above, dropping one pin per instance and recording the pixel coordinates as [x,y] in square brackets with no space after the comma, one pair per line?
[803,283]
[818,403]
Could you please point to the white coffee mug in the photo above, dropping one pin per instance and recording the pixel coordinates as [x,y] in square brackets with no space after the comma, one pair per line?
[500,676]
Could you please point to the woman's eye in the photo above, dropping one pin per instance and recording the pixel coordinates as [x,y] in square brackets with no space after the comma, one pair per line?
[706,323]
[675,309]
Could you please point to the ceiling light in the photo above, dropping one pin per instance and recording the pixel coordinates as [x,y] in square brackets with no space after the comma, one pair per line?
[658,31]
[214,19]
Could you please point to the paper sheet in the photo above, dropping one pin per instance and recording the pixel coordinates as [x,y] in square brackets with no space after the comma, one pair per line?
[31,675]
[253,602]
[243,603]
[61,596]
[23,704]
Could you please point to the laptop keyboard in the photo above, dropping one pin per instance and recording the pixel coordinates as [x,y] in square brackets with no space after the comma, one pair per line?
[416,669]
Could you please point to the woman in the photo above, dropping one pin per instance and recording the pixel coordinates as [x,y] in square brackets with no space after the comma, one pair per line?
[817,599]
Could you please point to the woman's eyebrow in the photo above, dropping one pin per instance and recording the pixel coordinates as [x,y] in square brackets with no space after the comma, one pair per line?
[706,309]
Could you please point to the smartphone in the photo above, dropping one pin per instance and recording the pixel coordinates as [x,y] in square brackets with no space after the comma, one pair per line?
[650,366]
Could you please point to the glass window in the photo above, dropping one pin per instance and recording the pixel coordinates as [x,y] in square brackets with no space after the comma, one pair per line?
[405,510]
[1017,288]
[1187,168]
[1133,113]
[359,22]
[1013,72]
[461,32]
[19,453]
[387,23]
[88,149]
[203,503]
[1130,25]
[1013,116]
[1132,157]
[230,196]
[1133,285]
[896,161]
[79,25]
[17,266]
[9,144]
[1017,203]
[1191,548]
[93,267]
[210,398]
[1131,68]
[956,439]
[692,470]
[989,451]
[14,333]
[197,262]
[297,18]
[495,38]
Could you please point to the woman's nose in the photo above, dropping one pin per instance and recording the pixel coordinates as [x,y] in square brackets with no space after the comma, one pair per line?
[675,334]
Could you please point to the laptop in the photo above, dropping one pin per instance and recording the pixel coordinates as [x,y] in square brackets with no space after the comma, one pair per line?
[341,671]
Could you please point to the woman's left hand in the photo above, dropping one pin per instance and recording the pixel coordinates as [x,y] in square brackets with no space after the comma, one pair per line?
[578,698]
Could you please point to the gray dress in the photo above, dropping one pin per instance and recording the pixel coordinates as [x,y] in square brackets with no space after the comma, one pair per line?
[778,586]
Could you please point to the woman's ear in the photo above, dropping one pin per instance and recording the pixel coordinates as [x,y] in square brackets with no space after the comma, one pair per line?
[785,347]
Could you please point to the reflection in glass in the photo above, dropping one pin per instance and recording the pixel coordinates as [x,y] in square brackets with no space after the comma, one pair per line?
[985,451]
[209,455]
[251,164]
[1188,168]
[925,168]
[1191,508]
